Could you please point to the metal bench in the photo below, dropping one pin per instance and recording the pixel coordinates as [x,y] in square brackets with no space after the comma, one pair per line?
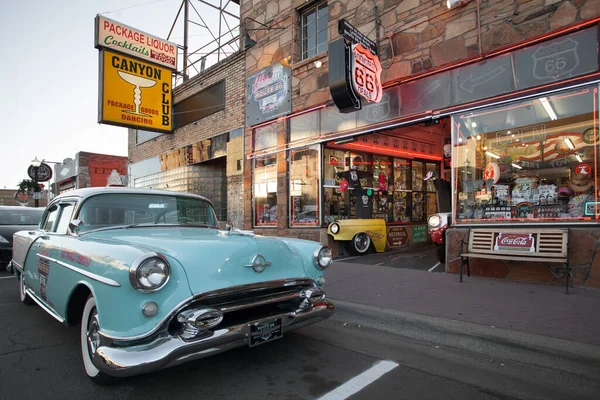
[545,245]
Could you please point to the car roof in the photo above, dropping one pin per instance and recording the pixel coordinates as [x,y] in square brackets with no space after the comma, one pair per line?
[89,192]
[20,208]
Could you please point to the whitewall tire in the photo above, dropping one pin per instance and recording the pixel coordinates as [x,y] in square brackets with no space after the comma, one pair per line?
[25,299]
[360,244]
[90,340]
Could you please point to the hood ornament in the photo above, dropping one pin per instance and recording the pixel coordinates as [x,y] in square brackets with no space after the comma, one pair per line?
[258,263]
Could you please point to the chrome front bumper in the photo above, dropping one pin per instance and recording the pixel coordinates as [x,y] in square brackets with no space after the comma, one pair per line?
[172,350]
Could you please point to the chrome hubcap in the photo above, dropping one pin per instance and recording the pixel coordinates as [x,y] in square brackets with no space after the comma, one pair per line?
[93,335]
[361,242]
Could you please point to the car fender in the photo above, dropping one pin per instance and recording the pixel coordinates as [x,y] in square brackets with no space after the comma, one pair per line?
[374,227]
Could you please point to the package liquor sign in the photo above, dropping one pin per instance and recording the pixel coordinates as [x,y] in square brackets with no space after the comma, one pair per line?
[515,242]
[134,94]
[124,39]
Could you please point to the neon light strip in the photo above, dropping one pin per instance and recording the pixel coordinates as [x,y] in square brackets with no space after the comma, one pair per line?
[384,151]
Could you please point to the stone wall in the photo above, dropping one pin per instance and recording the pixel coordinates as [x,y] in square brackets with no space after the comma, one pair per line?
[415,35]
[584,259]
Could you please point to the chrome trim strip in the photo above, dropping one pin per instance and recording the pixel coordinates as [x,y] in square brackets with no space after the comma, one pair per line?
[44,307]
[171,350]
[212,294]
[97,278]
[283,297]
[17,265]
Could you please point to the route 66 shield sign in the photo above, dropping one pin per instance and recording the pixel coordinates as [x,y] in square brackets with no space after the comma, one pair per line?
[366,73]
[555,60]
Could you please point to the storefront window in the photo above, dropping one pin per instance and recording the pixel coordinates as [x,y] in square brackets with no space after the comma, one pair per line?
[334,202]
[265,191]
[265,137]
[382,198]
[304,187]
[531,161]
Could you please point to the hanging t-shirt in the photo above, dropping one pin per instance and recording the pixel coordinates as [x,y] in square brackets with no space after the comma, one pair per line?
[364,203]
[353,177]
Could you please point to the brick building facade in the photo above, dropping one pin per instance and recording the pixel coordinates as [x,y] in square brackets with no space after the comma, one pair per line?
[204,154]
[86,170]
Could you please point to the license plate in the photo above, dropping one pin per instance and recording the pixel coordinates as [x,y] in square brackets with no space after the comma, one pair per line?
[265,331]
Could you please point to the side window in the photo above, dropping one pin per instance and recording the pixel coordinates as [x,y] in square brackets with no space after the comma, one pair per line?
[65,217]
[50,218]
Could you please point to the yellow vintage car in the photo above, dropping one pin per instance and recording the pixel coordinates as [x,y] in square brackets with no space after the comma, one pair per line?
[360,235]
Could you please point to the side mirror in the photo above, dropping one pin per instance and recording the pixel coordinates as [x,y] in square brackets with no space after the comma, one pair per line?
[74,225]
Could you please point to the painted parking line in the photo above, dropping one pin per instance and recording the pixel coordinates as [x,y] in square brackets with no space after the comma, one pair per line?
[359,382]
[434,267]
[7,277]
[347,258]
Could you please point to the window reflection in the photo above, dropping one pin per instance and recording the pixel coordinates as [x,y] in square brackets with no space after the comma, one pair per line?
[533,160]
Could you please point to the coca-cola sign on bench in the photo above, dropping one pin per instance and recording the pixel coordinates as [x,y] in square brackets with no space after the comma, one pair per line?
[515,242]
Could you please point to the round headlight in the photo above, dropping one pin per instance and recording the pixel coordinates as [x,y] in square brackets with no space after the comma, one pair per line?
[434,221]
[323,257]
[150,273]
[335,228]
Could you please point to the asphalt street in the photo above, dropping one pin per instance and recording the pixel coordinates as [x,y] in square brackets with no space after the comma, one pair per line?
[336,359]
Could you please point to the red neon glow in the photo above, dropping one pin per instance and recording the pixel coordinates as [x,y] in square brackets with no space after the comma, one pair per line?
[381,150]
[524,105]
[595,155]
[516,94]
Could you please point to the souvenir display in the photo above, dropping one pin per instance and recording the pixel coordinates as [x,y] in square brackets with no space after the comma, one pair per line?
[576,206]
[491,172]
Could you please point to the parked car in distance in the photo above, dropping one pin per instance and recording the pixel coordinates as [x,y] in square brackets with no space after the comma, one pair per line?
[154,282]
[14,219]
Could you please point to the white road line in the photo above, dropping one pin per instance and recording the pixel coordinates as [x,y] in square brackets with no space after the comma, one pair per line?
[434,267]
[348,258]
[359,382]
[7,277]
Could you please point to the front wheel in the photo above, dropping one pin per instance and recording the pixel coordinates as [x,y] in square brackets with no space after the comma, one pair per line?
[90,341]
[360,244]
[25,299]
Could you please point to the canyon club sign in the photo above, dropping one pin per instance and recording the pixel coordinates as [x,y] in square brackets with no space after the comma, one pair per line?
[124,39]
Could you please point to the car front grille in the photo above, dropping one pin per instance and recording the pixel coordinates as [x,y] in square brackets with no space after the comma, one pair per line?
[252,302]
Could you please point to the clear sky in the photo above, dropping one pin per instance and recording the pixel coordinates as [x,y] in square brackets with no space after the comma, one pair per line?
[49,76]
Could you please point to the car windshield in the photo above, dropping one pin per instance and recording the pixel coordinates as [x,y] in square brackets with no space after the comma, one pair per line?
[25,216]
[112,210]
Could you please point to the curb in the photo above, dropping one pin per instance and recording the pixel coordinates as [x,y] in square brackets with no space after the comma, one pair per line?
[574,357]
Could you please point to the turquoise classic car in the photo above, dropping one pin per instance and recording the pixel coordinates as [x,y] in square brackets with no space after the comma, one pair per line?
[154,282]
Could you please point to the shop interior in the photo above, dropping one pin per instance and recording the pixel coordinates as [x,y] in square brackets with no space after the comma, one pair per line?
[536,159]
[391,167]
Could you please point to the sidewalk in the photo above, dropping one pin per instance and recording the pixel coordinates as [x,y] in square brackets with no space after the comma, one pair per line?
[537,309]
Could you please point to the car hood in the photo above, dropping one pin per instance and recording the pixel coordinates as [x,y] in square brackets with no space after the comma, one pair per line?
[212,259]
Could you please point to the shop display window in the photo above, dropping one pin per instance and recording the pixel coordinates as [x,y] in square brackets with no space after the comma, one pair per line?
[532,160]
[265,191]
[304,187]
[390,180]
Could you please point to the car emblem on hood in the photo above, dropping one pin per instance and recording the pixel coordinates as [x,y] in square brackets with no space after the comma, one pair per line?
[258,263]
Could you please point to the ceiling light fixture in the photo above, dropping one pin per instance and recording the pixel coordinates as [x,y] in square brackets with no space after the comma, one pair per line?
[517,166]
[548,108]
[578,157]
[569,143]
[489,153]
